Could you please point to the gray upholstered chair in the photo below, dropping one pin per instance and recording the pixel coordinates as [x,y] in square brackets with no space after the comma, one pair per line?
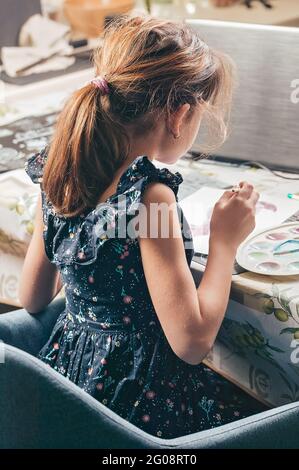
[39,408]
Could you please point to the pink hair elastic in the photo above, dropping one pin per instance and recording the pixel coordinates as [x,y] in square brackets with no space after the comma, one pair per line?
[101,82]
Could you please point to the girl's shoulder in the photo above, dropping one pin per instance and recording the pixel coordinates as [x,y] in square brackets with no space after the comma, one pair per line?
[142,172]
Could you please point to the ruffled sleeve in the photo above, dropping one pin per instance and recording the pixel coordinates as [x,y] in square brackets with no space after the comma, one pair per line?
[35,164]
[78,240]
[34,168]
[143,172]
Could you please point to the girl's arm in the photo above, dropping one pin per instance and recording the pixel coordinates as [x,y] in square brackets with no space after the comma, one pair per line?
[40,279]
[191,317]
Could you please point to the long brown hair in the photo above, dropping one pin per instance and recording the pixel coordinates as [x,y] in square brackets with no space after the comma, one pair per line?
[152,66]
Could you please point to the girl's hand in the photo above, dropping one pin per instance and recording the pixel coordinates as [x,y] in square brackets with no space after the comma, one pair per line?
[233,217]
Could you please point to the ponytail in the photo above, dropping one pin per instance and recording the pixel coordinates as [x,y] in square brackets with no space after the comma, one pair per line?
[86,150]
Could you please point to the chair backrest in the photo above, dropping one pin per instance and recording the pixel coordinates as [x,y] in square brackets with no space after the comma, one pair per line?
[48,411]
[13,14]
[265,112]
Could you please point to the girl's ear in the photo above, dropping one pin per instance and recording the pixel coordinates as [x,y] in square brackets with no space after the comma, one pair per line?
[176,119]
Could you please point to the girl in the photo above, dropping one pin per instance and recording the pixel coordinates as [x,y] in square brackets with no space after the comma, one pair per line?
[135,329]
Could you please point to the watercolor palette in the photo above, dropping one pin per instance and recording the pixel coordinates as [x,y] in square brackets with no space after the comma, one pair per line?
[273,252]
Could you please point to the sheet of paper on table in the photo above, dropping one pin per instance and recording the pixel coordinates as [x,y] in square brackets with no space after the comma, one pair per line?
[271,210]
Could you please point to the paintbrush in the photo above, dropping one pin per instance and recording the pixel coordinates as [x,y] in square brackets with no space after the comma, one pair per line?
[286,252]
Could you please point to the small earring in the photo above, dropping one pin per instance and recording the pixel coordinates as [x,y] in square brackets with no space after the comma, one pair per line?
[176,136]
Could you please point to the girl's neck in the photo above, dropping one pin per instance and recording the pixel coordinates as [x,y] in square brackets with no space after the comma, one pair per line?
[113,186]
[142,146]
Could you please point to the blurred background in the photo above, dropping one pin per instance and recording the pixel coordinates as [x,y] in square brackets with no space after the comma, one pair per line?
[39,38]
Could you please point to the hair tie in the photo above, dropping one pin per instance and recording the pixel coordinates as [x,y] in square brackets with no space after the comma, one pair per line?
[101,82]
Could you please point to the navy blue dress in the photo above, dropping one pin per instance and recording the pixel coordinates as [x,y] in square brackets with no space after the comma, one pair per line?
[108,340]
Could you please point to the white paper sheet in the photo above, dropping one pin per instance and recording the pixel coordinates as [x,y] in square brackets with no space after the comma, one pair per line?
[271,210]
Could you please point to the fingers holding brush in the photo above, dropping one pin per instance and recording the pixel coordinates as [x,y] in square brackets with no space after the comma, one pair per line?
[243,190]
[246,191]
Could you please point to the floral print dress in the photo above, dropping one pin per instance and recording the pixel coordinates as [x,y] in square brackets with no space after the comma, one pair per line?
[108,340]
